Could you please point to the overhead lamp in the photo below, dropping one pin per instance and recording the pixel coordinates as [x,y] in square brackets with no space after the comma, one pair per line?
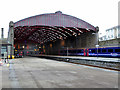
[73,33]
[64,37]
[93,33]
[87,29]
[78,33]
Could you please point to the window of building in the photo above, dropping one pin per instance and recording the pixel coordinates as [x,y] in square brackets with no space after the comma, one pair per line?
[111,36]
[3,49]
[118,31]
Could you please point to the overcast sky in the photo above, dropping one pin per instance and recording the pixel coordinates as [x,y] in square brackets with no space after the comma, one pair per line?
[101,13]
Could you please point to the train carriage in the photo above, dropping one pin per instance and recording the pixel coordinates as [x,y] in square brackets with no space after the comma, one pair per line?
[100,52]
[105,52]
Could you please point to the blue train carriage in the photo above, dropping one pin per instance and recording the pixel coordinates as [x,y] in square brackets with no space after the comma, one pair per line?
[80,52]
[105,52]
[72,52]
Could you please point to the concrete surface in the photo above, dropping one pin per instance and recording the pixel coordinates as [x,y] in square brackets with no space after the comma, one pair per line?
[33,72]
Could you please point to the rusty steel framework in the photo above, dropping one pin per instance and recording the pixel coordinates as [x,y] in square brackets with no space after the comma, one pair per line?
[50,27]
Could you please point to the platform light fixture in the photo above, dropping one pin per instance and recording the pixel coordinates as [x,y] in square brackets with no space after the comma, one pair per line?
[64,37]
[97,49]
[87,29]
[93,33]
[78,33]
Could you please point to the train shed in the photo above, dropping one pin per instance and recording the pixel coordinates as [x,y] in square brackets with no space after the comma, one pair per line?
[49,33]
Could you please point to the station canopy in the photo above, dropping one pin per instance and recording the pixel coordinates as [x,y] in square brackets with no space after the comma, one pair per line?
[49,27]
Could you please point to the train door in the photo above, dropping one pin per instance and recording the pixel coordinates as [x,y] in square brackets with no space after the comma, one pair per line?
[86,52]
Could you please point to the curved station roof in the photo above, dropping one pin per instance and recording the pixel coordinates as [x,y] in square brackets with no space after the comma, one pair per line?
[50,27]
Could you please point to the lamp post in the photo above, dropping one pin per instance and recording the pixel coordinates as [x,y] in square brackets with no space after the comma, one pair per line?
[97,50]
[97,45]
[97,30]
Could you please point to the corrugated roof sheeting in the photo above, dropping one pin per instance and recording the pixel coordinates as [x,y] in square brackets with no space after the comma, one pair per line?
[54,19]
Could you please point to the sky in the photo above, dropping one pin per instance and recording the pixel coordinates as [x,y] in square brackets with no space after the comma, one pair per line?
[101,13]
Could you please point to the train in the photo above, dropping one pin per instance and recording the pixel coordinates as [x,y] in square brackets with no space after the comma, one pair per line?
[95,52]
[18,54]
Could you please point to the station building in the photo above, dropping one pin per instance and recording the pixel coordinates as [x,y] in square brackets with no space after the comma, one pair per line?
[111,37]
[3,45]
[49,33]
[111,33]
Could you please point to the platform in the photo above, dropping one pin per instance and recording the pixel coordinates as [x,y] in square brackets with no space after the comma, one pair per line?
[33,72]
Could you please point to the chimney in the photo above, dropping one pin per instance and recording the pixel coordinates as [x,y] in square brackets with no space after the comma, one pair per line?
[2,33]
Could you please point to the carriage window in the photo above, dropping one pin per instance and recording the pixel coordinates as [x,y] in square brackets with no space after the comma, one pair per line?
[117,50]
[65,51]
[82,50]
[70,51]
[61,51]
[89,50]
[110,50]
[99,50]
[74,51]
[93,51]
[104,50]
[78,51]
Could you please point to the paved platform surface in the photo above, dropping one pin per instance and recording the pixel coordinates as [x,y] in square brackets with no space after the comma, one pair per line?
[33,72]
